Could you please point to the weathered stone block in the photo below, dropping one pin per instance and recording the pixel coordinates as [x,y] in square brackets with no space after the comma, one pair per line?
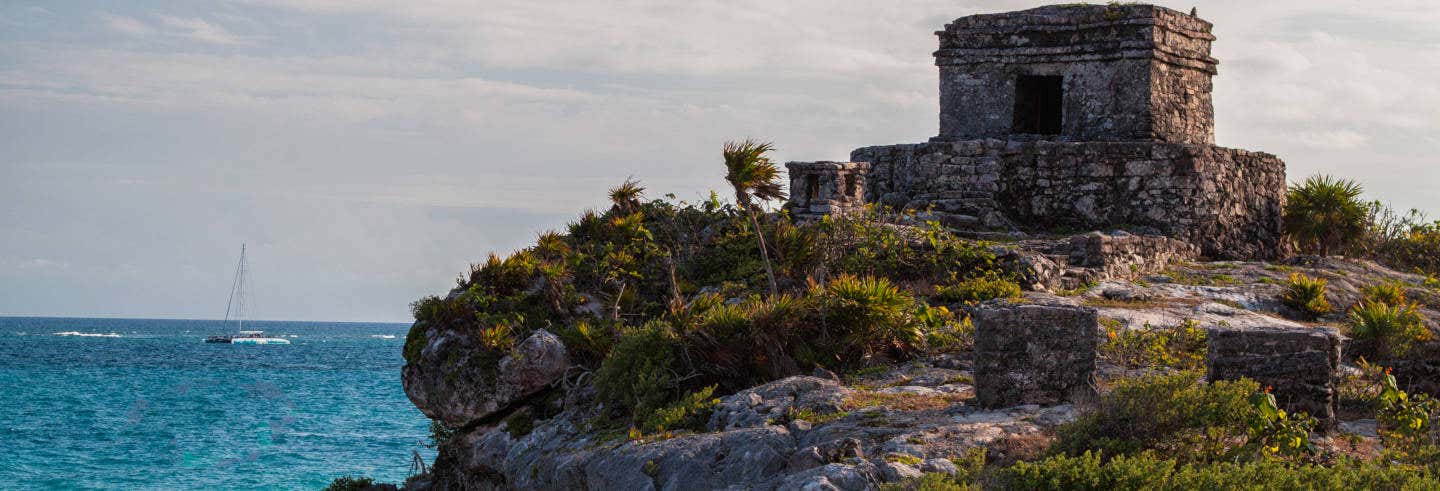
[1034,354]
[821,188]
[1301,366]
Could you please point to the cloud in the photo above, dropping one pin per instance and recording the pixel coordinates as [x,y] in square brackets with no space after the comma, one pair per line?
[126,25]
[201,30]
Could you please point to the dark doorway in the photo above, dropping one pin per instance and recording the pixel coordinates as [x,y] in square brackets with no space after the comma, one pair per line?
[1037,104]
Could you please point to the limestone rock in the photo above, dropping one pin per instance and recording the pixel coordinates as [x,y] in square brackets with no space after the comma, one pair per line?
[452,382]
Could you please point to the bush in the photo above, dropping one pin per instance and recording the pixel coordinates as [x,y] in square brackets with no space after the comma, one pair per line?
[1395,329]
[862,317]
[690,412]
[1148,470]
[348,483]
[1306,294]
[1182,347]
[640,373]
[1324,215]
[1173,414]
[979,289]
[1407,423]
[1404,242]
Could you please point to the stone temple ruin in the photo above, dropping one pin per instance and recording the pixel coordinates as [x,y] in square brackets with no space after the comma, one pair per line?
[1070,117]
[1086,117]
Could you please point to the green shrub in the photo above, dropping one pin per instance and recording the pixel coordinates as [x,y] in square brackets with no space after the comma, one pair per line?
[1182,347]
[1403,242]
[690,412]
[1395,329]
[870,243]
[979,289]
[1324,215]
[348,483]
[640,374]
[1148,471]
[1173,414]
[1306,294]
[588,342]
[1407,422]
[867,316]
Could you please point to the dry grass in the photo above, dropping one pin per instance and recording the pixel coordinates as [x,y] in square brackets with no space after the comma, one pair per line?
[901,402]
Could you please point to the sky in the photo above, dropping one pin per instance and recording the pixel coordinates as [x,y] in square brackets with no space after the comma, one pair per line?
[366,151]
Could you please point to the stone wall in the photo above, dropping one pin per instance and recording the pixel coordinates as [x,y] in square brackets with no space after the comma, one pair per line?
[1130,72]
[821,188]
[1301,365]
[1225,201]
[1034,354]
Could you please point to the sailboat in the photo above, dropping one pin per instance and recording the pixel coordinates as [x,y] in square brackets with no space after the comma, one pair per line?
[236,305]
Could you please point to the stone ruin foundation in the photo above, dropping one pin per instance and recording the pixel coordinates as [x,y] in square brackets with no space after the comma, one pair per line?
[822,188]
[1077,117]
[1302,366]
[1034,354]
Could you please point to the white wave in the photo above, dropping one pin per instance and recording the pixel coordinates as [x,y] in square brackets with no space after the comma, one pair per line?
[383,336]
[88,334]
[292,336]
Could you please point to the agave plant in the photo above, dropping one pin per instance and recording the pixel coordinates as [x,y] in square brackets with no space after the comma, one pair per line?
[755,179]
[1325,214]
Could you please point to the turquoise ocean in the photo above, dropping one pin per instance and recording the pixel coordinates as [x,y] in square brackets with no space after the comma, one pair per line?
[147,404]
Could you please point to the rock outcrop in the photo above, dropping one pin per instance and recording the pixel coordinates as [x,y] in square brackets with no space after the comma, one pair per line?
[455,382]
[756,442]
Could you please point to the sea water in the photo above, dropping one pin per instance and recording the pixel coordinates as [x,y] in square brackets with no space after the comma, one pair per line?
[147,404]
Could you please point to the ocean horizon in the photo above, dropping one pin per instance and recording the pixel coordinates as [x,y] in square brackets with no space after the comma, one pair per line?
[105,403]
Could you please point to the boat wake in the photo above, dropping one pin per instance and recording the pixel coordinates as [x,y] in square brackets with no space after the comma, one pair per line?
[88,334]
[383,336]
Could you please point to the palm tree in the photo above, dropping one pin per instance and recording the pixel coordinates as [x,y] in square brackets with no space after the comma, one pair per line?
[626,196]
[1324,213]
[755,179]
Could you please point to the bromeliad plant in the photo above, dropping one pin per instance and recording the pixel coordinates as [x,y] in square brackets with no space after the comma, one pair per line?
[1306,294]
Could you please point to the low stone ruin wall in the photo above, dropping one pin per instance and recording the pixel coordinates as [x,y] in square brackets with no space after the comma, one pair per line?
[1034,354]
[1225,201]
[1302,366]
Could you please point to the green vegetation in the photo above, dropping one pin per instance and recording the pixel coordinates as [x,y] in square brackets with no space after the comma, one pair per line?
[755,178]
[1149,470]
[1394,328]
[978,289]
[1181,417]
[1324,215]
[1180,347]
[348,483]
[672,304]
[1306,294]
[1407,423]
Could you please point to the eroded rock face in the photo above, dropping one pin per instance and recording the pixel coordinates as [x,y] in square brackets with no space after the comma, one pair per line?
[1033,354]
[453,380]
[747,447]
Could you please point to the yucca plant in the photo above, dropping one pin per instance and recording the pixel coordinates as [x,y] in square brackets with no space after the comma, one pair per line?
[1324,214]
[1395,328]
[1307,295]
[755,178]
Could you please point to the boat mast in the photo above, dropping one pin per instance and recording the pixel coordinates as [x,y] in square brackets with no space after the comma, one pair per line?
[236,302]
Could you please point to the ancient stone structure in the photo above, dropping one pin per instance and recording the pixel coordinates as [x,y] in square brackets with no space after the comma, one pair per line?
[1083,117]
[1034,354]
[822,188]
[1301,366]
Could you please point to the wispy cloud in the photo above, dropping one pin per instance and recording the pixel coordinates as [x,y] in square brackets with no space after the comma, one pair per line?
[201,30]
